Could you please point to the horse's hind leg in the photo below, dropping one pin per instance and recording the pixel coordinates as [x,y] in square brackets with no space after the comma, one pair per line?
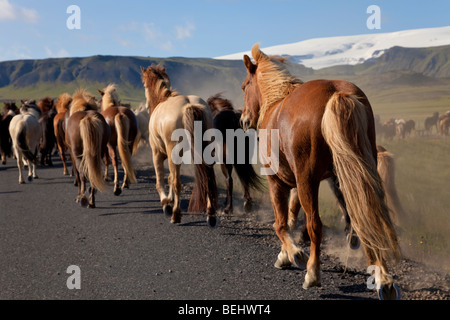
[92,192]
[158,163]
[175,190]
[290,252]
[308,193]
[352,238]
[20,166]
[227,170]
[115,162]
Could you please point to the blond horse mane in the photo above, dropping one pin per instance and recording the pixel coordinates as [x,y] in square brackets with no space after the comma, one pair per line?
[157,85]
[110,97]
[82,101]
[63,103]
[274,80]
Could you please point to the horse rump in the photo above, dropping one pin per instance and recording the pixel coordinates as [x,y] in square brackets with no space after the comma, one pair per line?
[92,131]
[23,147]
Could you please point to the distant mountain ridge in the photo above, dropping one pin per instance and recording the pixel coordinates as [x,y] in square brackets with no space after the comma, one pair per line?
[204,76]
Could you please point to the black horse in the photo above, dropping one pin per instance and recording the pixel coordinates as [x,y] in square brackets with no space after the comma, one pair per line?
[226,117]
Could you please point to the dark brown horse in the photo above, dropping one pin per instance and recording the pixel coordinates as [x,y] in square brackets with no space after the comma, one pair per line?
[87,136]
[325,128]
[9,111]
[225,117]
[48,141]
[59,126]
[124,137]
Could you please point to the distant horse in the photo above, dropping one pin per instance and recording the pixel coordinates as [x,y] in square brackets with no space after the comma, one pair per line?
[124,134]
[59,125]
[87,136]
[325,128]
[143,119]
[48,141]
[400,130]
[444,126]
[25,132]
[410,127]
[389,129]
[170,111]
[431,122]
[9,111]
[226,118]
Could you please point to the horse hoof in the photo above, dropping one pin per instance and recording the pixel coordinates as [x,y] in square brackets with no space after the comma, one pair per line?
[282,261]
[212,222]
[248,206]
[353,241]
[83,202]
[310,282]
[30,178]
[91,205]
[175,220]
[117,191]
[389,292]
[300,260]
[168,211]
[22,182]
[228,210]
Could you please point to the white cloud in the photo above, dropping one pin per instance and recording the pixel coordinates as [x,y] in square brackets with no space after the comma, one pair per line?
[185,31]
[62,53]
[10,12]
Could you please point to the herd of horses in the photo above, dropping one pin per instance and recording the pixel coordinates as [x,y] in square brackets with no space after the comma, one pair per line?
[326,132]
[401,128]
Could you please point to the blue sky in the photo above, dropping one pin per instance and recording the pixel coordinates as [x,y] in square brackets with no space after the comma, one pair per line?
[194,28]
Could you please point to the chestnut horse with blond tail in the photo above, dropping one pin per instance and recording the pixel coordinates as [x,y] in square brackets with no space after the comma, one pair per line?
[59,126]
[170,111]
[123,139]
[87,136]
[325,128]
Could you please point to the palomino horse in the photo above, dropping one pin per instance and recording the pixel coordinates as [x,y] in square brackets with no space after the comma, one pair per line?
[59,126]
[143,118]
[325,128]
[87,136]
[25,132]
[170,111]
[226,118]
[124,137]
[9,111]
[48,140]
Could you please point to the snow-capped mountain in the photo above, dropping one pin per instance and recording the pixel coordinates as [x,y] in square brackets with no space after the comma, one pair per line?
[326,52]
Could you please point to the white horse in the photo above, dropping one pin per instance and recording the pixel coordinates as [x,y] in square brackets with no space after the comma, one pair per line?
[26,132]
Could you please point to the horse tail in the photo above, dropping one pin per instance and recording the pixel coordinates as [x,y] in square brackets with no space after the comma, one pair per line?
[386,169]
[22,144]
[205,179]
[248,176]
[92,130]
[345,129]
[122,124]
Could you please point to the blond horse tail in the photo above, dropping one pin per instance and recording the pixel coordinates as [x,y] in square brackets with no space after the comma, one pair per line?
[345,129]
[91,131]
[386,169]
[122,124]
[205,179]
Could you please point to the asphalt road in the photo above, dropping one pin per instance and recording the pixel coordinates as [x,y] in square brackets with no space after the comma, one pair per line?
[127,249]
